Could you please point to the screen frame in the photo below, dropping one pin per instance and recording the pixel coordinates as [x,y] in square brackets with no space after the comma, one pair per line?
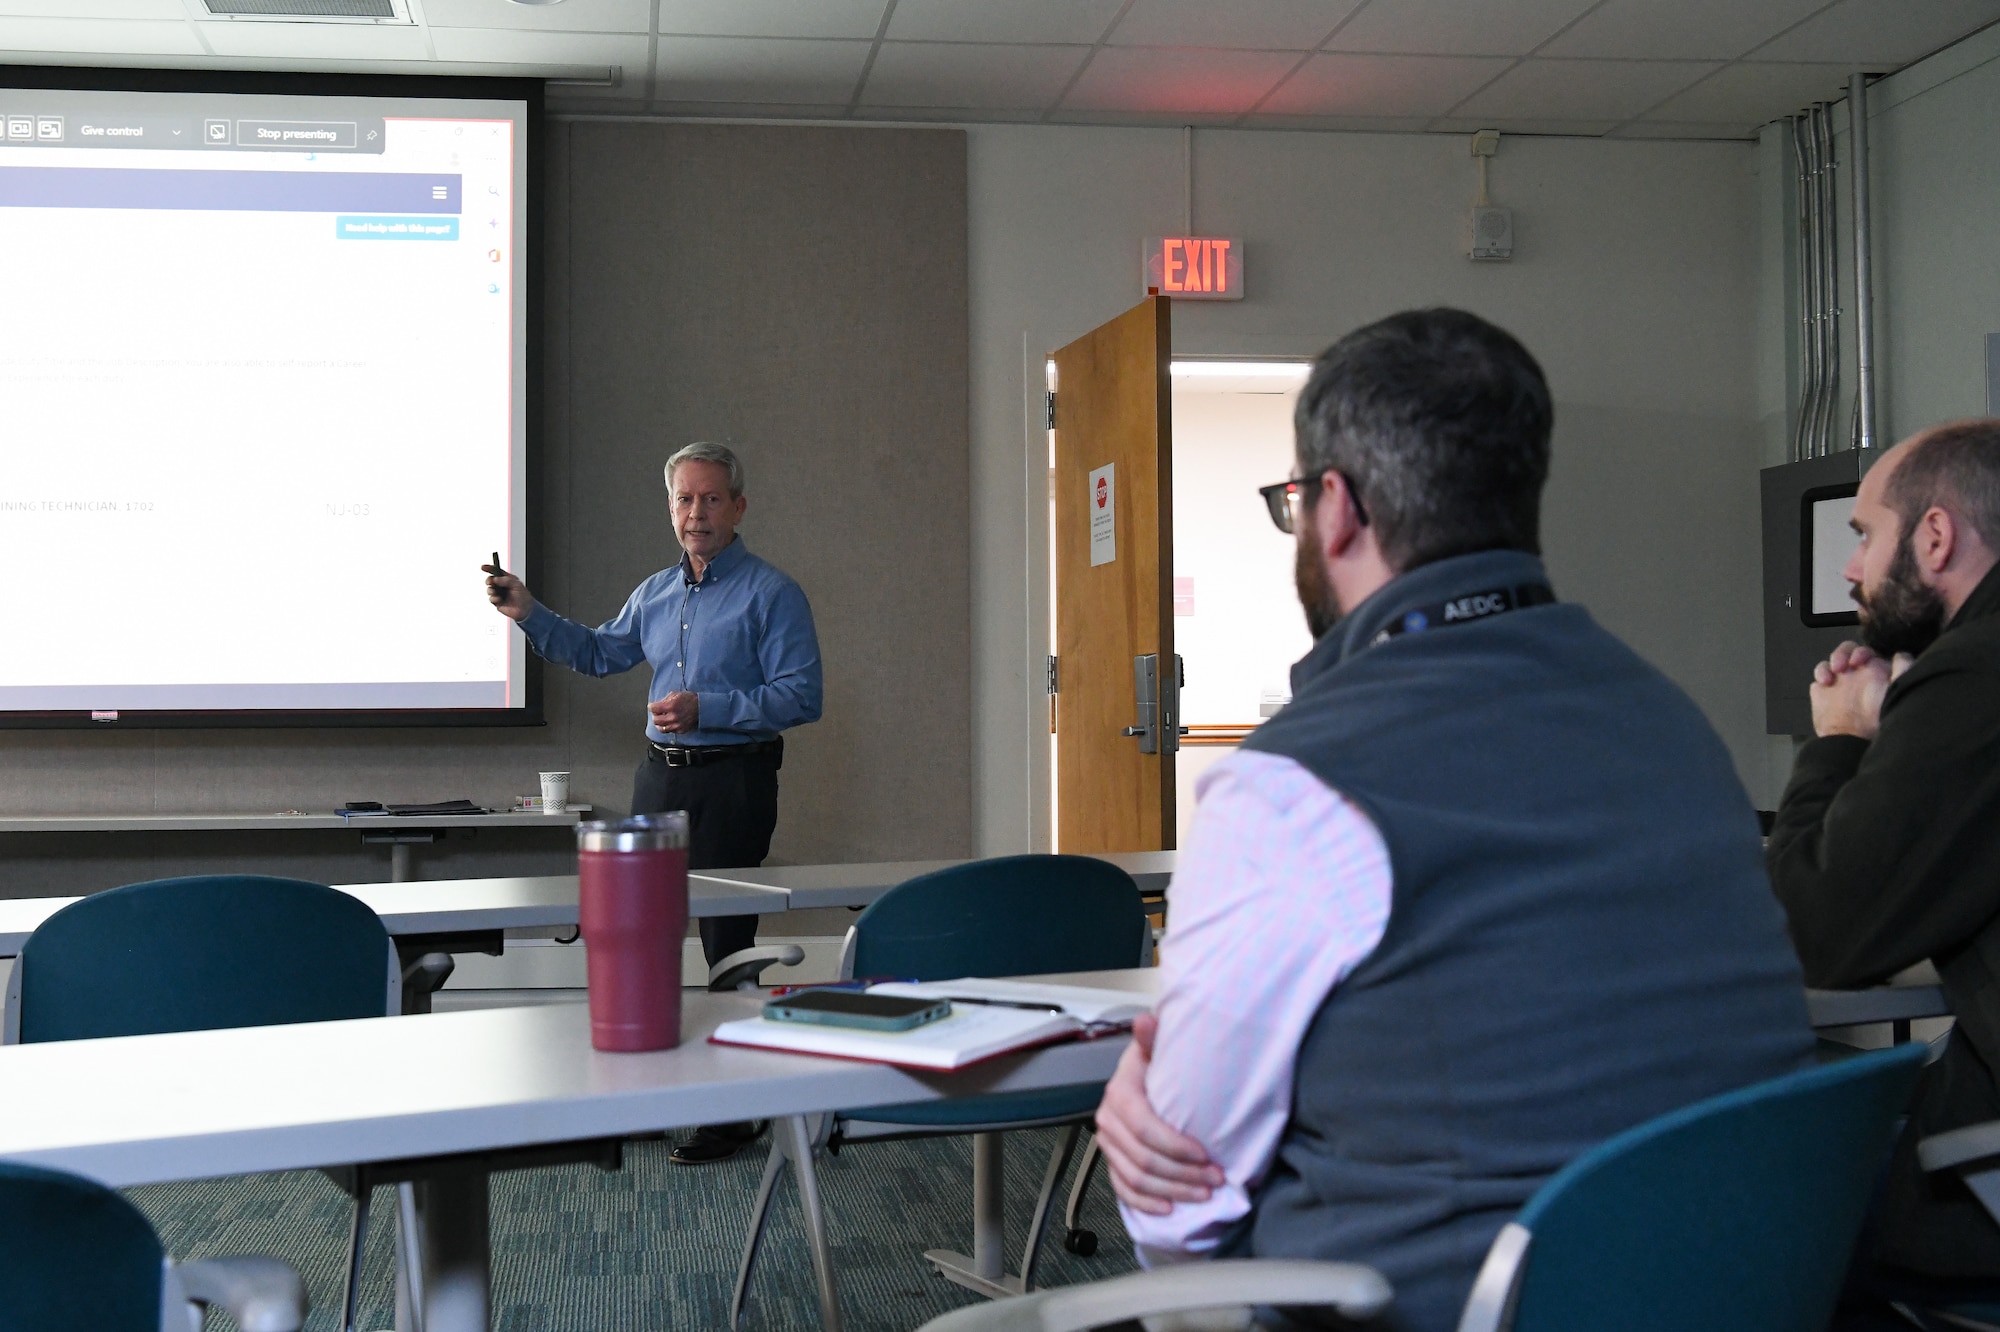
[308,84]
[1815,495]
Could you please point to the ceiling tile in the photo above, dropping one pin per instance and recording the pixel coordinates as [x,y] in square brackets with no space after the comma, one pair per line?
[1271,25]
[94,9]
[97,37]
[1382,85]
[1453,27]
[559,50]
[741,69]
[1751,92]
[1682,129]
[772,18]
[1153,80]
[1347,124]
[1053,21]
[1582,89]
[1590,129]
[570,16]
[316,41]
[1680,30]
[1024,78]
[1881,34]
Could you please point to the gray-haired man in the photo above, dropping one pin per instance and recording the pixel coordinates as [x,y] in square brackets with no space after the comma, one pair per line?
[735,663]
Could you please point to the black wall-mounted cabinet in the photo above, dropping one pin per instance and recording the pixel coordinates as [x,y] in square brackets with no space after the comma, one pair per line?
[1793,644]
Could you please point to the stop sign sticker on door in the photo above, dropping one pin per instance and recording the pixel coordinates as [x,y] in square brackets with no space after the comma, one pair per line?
[1103,515]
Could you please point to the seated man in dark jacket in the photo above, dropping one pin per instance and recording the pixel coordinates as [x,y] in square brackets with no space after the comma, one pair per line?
[1886,849]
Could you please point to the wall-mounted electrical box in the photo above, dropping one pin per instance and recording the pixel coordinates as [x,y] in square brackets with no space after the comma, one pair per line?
[1492,234]
[1808,606]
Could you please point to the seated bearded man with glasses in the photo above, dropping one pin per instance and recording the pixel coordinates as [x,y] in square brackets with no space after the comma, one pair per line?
[1485,893]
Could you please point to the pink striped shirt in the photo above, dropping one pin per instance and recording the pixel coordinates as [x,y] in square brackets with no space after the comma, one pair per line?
[1281,891]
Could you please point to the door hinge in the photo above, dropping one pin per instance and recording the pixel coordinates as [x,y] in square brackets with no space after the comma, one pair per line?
[1052,673]
[1049,403]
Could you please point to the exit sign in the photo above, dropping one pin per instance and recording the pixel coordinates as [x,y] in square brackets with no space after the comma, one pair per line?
[1195,268]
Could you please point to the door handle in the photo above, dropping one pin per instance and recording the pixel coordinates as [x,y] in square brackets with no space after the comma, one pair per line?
[1146,702]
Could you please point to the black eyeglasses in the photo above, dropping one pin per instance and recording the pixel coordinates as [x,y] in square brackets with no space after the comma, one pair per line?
[1278,498]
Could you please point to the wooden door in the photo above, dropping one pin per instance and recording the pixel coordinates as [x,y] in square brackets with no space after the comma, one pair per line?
[1114,567]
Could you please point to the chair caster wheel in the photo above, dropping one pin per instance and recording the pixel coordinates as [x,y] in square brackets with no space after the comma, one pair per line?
[1080,1242]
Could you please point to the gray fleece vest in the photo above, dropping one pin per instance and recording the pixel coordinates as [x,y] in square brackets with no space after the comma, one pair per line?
[1581,935]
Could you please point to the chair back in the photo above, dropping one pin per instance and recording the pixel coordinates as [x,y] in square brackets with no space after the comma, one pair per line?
[1013,916]
[195,954]
[1738,1211]
[74,1254]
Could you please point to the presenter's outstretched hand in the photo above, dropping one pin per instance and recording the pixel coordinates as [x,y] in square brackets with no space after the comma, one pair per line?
[1153,1164]
[508,594]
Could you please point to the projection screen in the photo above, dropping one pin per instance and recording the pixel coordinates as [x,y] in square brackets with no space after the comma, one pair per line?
[265,392]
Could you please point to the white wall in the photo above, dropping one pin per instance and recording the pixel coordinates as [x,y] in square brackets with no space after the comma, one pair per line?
[1634,281]
[1936,184]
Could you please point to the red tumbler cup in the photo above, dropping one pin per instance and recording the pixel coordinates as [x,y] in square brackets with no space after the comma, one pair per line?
[632,891]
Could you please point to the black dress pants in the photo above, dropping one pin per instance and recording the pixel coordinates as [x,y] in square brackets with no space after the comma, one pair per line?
[732,808]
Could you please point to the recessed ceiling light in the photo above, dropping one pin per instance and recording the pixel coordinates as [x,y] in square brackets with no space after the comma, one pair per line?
[538,2]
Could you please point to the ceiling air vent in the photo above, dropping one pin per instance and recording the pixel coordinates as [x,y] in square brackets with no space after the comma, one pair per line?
[349,11]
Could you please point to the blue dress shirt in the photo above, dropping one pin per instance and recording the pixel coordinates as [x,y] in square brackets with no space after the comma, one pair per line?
[741,640]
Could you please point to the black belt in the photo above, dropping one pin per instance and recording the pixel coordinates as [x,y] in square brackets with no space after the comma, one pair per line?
[694,756]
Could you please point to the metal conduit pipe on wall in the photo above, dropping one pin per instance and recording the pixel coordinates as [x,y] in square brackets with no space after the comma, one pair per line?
[1808,289]
[1816,280]
[1818,275]
[1817,295]
[1830,278]
[1864,280]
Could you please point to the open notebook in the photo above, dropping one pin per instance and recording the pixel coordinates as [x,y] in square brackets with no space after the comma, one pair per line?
[973,1031]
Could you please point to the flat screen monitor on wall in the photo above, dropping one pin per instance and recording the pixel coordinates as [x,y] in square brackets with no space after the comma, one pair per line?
[1827,541]
[265,361]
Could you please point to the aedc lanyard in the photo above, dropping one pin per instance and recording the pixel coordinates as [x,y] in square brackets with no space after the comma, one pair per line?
[1464,610]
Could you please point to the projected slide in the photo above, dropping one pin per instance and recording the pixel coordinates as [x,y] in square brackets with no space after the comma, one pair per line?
[261,402]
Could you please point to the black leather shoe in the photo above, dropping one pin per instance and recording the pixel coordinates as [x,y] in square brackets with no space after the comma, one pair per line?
[717,1142]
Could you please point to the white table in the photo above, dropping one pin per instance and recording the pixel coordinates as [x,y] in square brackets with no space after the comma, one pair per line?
[471,1086]
[812,886]
[398,832]
[74,823]
[450,906]
[1912,993]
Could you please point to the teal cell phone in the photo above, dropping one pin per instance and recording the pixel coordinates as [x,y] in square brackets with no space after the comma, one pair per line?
[856,1008]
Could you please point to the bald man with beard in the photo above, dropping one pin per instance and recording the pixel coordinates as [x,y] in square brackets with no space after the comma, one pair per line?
[1886,847]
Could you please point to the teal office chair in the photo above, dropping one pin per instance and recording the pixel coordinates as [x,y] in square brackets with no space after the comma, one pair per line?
[75,1255]
[1015,916]
[203,953]
[1738,1211]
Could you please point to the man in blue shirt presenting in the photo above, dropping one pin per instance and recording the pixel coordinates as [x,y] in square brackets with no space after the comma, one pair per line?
[735,663]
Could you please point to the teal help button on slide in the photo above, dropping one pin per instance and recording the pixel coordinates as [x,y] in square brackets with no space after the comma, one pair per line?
[396,228]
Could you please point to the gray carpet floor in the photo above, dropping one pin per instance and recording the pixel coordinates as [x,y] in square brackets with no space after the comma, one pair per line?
[654,1246]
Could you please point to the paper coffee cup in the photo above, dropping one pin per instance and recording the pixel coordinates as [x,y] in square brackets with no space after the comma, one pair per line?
[555,793]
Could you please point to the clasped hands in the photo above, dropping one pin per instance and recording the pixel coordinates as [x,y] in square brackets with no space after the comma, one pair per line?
[677,713]
[1847,690]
